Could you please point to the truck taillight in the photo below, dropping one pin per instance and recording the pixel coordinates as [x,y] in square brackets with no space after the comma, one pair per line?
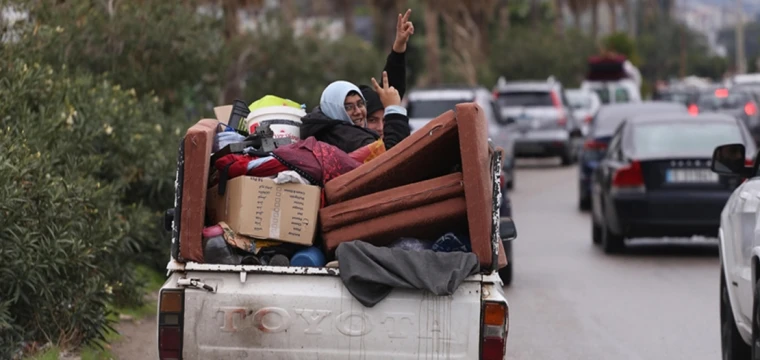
[493,334]
[171,308]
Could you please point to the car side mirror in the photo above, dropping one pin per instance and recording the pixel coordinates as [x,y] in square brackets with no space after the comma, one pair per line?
[730,160]
[169,219]
[507,229]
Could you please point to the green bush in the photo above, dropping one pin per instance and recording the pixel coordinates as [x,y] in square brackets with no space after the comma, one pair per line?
[166,47]
[302,67]
[73,150]
[537,53]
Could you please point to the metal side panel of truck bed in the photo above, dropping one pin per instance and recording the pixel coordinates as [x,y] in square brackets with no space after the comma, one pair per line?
[302,313]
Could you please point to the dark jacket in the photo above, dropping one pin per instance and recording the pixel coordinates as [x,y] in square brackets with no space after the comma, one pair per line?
[349,137]
[395,66]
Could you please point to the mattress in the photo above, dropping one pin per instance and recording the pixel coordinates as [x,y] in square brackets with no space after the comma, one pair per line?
[455,141]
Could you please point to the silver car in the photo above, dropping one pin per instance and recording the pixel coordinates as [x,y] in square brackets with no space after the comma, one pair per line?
[585,104]
[545,122]
[426,104]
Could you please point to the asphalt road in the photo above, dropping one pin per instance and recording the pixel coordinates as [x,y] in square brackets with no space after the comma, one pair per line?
[570,301]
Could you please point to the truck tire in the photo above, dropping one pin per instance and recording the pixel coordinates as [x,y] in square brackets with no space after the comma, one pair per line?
[505,273]
[596,232]
[732,346]
[584,204]
[755,347]
[612,243]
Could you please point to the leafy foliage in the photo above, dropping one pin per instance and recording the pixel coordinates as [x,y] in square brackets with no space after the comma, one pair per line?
[157,46]
[74,148]
[303,65]
[536,53]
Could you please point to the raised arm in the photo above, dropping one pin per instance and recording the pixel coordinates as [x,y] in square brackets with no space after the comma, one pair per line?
[395,64]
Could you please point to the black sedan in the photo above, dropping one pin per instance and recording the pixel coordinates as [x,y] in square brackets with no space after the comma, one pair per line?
[655,179]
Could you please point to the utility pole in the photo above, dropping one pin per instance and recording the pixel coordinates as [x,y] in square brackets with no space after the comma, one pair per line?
[741,61]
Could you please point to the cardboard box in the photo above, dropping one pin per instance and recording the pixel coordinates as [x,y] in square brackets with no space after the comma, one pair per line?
[259,208]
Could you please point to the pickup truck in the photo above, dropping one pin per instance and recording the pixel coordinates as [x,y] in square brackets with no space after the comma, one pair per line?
[212,311]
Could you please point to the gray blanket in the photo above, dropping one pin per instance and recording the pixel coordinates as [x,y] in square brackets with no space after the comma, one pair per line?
[370,272]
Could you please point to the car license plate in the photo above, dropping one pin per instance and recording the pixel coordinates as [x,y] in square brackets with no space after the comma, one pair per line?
[691,176]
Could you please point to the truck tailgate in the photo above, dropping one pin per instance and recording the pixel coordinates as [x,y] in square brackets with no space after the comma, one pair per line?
[286,316]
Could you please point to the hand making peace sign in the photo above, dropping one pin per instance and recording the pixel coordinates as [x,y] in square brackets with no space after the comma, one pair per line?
[404,29]
[388,94]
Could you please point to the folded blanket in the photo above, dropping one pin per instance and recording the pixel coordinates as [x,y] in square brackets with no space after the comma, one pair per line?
[370,273]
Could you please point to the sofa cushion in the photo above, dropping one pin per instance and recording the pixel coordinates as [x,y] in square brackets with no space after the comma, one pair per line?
[392,200]
[197,160]
[430,152]
[425,222]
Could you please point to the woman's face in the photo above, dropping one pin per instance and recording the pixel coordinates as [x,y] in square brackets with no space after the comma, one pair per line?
[356,109]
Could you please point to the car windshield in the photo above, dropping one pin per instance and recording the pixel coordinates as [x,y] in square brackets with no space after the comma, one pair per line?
[578,100]
[679,97]
[431,108]
[682,138]
[524,98]
[722,99]
[611,116]
[619,94]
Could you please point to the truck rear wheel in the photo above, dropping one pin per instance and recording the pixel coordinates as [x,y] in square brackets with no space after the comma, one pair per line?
[733,346]
[756,323]
[611,242]
[505,273]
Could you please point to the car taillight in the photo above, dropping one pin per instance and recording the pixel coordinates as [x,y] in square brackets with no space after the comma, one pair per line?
[171,308]
[693,109]
[495,95]
[750,108]
[588,119]
[594,145]
[749,162]
[562,121]
[493,334]
[629,176]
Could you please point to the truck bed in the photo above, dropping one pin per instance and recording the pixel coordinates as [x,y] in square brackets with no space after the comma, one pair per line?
[261,312]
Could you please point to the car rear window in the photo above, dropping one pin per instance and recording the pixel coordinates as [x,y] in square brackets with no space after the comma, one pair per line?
[525,98]
[609,118]
[722,100]
[431,108]
[579,100]
[684,139]
[683,98]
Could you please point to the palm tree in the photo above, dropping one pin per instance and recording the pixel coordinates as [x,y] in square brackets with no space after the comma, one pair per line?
[432,50]
[233,88]
[347,8]
[577,7]
[559,17]
[613,6]
[594,4]
[384,15]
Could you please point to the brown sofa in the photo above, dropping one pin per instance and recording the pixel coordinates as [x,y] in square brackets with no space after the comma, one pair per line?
[418,210]
[197,161]
[389,181]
